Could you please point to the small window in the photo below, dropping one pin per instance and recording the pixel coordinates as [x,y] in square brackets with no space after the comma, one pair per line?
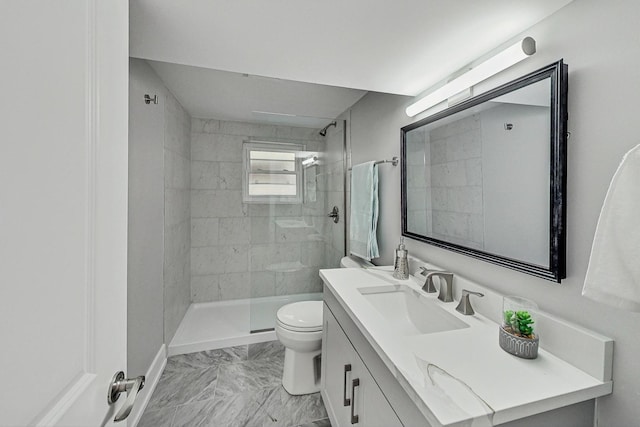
[272,173]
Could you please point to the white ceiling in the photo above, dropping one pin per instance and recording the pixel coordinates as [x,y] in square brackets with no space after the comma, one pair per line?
[401,47]
[207,93]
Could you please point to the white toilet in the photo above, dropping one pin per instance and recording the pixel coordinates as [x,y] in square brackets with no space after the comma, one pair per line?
[299,329]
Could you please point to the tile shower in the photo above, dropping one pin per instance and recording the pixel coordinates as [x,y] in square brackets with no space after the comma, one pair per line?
[233,244]
[445,180]
[246,260]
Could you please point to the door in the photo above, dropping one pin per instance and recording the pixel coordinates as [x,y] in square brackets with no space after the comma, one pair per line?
[350,393]
[338,364]
[369,406]
[63,209]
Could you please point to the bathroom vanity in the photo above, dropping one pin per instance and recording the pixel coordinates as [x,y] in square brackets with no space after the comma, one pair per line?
[393,355]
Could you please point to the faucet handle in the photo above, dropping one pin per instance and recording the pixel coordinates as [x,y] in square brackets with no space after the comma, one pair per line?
[464,306]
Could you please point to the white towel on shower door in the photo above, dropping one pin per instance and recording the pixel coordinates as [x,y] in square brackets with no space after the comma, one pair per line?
[613,274]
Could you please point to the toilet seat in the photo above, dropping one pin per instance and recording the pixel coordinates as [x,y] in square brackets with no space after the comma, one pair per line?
[304,316]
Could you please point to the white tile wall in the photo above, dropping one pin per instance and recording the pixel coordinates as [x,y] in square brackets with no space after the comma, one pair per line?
[217,204]
[176,172]
[205,175]
[219,259]
[263,284]
[456,182]
[205,288]
[298,281]
[269,257]
[205,126]
[419,152]
[238,250]
[230,176]
[235,285]
[177,214]
[235,230]
[216,147]
[262,230]
[204,232]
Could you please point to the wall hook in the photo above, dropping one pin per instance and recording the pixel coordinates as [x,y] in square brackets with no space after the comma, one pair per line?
[148,99]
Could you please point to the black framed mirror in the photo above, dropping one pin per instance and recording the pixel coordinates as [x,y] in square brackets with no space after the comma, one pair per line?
[487,177]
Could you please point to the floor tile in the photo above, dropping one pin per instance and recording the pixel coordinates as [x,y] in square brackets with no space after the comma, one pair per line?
[241,409]
[238,386]
[265,350]
[178,388]
[318,423]
[162,417]
[291,410]
[248,376]
[206,359]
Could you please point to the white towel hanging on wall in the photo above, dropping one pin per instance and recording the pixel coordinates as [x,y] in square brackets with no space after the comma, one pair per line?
[364,211]
[613,274]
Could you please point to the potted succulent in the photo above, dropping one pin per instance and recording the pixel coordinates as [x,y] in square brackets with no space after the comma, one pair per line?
[517,334]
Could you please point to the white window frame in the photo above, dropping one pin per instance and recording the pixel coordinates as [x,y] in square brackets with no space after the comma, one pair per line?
[283,147]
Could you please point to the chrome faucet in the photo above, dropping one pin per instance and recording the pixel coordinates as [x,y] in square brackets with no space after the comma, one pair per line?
[464,306]
[428,286]
[446,283]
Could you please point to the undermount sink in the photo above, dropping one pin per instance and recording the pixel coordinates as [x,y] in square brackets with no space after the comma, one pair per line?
[408,312]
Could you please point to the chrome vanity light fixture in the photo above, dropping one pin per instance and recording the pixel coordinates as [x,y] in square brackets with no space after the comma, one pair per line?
[503,60]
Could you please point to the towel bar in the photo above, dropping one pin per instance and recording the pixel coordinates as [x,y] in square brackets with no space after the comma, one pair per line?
[394,161]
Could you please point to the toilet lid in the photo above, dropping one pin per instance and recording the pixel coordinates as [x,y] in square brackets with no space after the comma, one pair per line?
[304,316]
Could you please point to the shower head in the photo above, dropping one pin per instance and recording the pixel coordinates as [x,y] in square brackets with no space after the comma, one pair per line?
[323,131]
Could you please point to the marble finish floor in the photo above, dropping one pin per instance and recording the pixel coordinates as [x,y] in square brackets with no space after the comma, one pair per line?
[236,386]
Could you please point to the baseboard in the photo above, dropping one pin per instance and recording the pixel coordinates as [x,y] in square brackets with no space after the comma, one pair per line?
[152,378]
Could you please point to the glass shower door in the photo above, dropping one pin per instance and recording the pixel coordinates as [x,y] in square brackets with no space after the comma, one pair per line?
[291,242]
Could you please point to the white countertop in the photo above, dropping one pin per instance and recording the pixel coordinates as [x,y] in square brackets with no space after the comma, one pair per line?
[480,382]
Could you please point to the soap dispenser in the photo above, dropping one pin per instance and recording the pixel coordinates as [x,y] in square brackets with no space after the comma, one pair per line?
[401,263]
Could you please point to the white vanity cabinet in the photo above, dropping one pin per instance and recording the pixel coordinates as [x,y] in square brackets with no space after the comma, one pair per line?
[355,338]
[350,393]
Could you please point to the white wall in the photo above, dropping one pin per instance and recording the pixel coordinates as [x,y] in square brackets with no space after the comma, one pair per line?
[145,334]
[159,217]
[374,134]
[600,43]
[177,212]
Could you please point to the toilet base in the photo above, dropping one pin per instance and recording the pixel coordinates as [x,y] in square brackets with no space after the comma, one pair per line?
[304,368]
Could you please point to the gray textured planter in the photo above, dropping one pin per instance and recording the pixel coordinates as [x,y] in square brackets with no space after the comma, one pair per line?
[526,348]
